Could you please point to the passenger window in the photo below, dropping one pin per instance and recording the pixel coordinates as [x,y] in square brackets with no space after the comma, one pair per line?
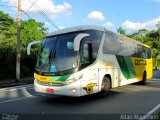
[132,49]
[122,47]
[148,53]
[110,44]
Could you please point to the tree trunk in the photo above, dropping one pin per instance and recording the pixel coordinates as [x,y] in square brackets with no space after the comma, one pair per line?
[156,64]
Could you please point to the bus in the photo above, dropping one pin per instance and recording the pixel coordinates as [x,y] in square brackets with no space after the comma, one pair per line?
[83,60]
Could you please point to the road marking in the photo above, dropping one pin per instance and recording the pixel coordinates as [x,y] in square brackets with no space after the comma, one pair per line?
[22,98]
[154,109]
[150,112]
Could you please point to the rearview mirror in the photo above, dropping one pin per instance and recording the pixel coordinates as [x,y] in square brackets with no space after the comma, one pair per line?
[78,39]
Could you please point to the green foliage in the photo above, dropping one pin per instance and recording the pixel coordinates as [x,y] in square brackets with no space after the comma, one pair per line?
[8,62]
[140,35]
[7,29]
[151,38]
[156,65]
[30,31]
[121,31]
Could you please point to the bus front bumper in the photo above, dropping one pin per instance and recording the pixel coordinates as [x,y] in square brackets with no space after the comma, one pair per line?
[66,90]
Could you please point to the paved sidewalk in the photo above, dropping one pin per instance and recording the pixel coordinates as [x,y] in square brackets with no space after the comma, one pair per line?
[12,82]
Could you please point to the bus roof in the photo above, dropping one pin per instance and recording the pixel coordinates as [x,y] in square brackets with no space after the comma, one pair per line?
[76,28]
[92,27]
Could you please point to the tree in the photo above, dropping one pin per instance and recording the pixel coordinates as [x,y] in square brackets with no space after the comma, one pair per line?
[31,31]
[7,29]
[121,31]
[153,40]
[140,35]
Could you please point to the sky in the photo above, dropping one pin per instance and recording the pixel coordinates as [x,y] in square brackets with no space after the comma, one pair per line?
[132,15]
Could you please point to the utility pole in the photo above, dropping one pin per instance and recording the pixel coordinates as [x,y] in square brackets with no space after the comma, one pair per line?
[18,52]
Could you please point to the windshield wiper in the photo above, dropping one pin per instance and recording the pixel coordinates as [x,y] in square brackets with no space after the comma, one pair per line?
[52,55]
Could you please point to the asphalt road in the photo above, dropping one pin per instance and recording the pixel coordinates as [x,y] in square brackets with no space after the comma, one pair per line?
[125,100]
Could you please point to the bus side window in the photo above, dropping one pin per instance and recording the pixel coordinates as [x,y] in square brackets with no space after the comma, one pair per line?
[148,53]
[110,44]
[139,51]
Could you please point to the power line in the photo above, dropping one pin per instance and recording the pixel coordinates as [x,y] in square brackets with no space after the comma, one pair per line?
[43,14]
[26,14]
[27,10]
[9,6]
[32,4]
[17,8]
[40,11]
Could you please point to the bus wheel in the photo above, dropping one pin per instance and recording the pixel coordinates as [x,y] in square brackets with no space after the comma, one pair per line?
[105,87]
[143,82]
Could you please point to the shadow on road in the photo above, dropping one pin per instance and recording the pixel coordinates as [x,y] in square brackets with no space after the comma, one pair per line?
[77,100]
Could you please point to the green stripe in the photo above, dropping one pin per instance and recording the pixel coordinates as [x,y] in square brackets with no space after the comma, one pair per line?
[60,78]
[126,66]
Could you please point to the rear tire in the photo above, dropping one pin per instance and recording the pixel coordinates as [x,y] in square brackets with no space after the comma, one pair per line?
[105,87]
[143,82]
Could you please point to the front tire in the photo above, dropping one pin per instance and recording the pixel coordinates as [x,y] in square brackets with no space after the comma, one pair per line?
[105,87]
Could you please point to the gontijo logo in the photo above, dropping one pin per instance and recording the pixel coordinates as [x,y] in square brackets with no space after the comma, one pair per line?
[89,87]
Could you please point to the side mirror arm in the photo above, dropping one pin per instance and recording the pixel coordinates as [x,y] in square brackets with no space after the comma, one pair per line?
[30,44]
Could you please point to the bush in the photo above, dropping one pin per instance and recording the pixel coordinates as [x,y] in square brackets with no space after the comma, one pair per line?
[8,63]
[158,63]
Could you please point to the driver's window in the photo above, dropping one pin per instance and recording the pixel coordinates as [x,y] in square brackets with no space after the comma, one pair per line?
[85,53]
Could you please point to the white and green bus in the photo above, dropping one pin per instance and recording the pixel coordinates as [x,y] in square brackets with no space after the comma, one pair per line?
[84,60]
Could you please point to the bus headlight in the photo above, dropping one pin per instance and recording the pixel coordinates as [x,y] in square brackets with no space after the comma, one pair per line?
[69,81]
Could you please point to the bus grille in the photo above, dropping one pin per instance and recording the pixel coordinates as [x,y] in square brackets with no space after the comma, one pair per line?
[56,84]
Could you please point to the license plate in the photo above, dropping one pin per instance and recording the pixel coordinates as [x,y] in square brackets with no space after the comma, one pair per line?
[49,90]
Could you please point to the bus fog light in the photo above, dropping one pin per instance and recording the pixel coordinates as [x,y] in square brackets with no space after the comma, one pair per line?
[74,90]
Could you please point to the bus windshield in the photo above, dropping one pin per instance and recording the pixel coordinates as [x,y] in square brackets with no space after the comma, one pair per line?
[57,54]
